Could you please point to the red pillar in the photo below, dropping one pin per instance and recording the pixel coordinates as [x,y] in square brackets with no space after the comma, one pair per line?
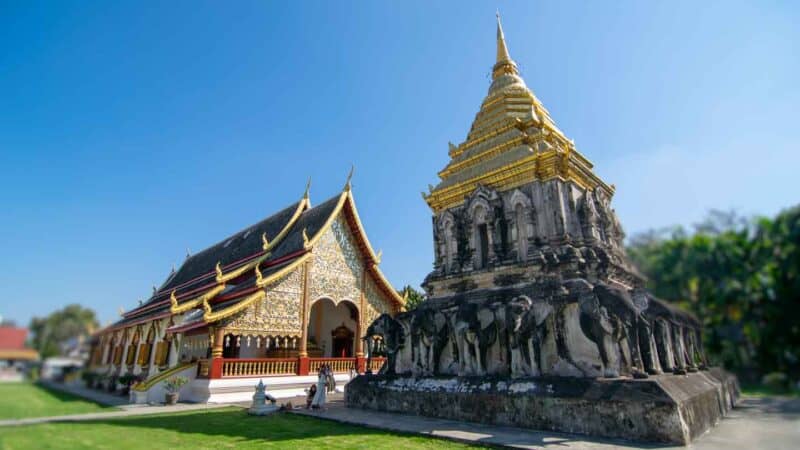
[303,365]
[215,371]
[361,364]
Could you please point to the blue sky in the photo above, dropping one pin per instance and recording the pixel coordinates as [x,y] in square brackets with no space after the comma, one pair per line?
[132,131]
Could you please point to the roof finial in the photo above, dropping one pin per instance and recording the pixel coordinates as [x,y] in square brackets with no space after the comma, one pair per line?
[504,64]
[264,241]
[308,188]
[347,185]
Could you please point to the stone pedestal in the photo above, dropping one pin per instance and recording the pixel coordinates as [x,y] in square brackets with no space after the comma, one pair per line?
[259,407]
[665,408]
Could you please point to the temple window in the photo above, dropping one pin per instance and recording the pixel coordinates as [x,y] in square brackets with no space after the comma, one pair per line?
[130,357]
[145,349]
[162,353]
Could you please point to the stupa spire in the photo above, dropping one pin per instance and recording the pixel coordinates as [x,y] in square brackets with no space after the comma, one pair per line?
[504,63]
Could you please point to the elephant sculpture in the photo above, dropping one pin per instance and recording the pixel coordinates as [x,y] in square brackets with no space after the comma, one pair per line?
[429,338]
[475,329]
[627,321]
[390,332]
[598,325]
[525,325]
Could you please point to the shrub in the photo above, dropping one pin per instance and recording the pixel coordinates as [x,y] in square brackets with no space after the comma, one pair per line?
[776,380]
[174,384]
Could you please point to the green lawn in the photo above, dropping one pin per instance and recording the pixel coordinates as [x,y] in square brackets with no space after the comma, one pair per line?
[215,428]
[20,400]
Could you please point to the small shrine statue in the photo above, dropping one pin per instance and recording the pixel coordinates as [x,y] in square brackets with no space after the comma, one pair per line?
[259,406]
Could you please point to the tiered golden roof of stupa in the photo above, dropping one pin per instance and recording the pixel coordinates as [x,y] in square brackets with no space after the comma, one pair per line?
[512,141]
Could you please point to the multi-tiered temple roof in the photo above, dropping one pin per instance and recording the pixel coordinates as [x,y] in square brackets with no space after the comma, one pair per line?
[229,276]
[512,141]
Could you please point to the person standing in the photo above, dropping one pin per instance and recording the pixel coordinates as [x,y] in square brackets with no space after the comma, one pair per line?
[321,396]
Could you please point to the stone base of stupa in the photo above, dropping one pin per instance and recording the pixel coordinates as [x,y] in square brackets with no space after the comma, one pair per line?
[664,408]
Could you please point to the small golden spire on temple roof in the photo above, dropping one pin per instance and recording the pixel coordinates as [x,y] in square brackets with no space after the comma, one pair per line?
[173,300]
[218,268]
[308,188]
[305,238]
[504,63]
[264,241]
[347,185]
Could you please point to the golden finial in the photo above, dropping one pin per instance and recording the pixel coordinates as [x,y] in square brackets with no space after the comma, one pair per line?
[347,185]
[305,238]
[219,270]
[173,300]
[259,276]
[504,64]
[379,256]
[264,241]
[206,306]
[308,189]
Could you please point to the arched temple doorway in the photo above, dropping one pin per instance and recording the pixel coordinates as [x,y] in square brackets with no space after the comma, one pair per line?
[332,329]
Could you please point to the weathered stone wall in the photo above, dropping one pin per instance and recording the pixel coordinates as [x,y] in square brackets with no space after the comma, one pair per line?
[661,409]
[548,227]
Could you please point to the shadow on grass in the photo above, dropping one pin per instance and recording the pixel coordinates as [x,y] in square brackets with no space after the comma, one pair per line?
[236,424]
[62,396]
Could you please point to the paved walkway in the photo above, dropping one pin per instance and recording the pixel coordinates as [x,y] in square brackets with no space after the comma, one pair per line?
[757,423]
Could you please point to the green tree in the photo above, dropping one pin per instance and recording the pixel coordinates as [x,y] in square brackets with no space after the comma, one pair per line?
[413,297]
[48,333]
[741,278]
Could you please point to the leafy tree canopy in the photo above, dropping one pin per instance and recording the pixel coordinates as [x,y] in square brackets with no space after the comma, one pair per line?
[414,297]
[741,277]
[50,332]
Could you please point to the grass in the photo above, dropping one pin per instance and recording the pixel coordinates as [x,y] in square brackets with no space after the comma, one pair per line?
[211,429]
[22,400]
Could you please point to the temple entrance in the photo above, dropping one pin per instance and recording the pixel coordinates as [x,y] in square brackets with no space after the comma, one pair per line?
[332,329]
[342,342]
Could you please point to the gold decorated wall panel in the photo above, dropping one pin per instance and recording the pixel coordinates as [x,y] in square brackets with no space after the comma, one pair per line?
[376,303]
[337,265]
[278,313]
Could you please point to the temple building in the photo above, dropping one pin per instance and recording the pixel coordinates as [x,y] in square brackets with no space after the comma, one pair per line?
[279,298]
[535,312]
[15,355]
[518,196]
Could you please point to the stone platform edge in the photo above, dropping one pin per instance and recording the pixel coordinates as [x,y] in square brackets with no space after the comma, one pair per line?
[665,408]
